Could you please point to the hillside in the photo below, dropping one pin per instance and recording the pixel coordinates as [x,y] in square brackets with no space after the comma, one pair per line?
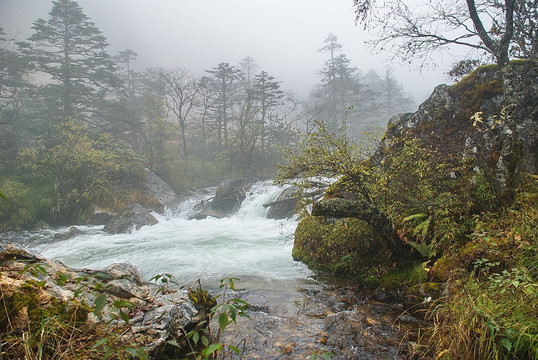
[443,217]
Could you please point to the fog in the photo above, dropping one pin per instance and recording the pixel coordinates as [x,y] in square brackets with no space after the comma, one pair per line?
[283,36]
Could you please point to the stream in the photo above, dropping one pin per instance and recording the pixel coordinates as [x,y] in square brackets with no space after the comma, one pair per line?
[294,312]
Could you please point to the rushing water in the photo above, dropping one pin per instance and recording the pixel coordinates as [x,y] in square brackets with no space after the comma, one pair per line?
[244,245]
[294,312]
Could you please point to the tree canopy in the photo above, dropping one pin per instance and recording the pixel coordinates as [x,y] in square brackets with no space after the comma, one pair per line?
[415,30]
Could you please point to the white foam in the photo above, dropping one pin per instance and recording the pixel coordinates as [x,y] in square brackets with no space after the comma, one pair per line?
[244,245]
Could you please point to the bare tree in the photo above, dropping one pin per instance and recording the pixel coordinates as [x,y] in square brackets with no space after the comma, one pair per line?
[181,92]
[414,30]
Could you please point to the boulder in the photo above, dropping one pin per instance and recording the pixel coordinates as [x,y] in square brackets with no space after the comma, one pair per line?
[74,231]
[99,218]
[161,191]
[34,287]
[347,246]
[135,216]
[229,195]
[284,205]
[489,116]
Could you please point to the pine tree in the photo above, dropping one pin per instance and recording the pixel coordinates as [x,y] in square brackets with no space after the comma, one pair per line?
[71,50]
[268,93]
[225,79]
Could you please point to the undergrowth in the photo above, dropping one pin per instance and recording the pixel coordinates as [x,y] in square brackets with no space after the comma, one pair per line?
[491,311]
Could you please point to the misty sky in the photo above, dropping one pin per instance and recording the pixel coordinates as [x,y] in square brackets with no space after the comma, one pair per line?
[283,36]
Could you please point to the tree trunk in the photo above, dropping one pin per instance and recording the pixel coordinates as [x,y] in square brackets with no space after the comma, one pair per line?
[498,49]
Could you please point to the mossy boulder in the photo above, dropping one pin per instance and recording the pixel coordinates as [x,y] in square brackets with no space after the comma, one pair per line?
[346,246]
[489,116]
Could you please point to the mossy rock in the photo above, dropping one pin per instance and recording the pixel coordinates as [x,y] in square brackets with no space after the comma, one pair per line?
[25,309]
[345,246]
[425,292]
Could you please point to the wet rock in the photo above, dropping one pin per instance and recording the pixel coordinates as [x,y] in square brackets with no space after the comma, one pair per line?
[207,213]
[229,195]
[389,293]
[119,271]
[135,216]
[126,289]
[361,334]
[284,206]
[11,252]
[156,317]
[164,194]
[444,121]
[74,231]
[99,218]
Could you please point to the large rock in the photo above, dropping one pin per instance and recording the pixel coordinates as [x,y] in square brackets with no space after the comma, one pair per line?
[284,205]
[161,191]
[99,217]
[134,217]
[347,246]
[489,116]
[33,287]
[229,195]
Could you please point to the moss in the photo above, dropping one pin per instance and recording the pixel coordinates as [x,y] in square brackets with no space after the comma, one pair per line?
[21,308]
[346,246]
[442,268]
[202,300]
[473,90]
[420,292]
[67,312]
[409,275]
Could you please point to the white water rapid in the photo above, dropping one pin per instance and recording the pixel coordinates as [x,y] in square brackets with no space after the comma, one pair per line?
[246,245]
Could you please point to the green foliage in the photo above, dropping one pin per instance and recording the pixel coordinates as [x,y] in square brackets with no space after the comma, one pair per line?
[22,207]
[57,184]
[208,342]
[322,355]
[322,153]
[492,310]
[496,319]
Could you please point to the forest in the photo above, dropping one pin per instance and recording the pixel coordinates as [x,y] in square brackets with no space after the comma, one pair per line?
[79,124]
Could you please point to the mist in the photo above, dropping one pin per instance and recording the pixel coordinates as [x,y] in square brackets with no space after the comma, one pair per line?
[283,37]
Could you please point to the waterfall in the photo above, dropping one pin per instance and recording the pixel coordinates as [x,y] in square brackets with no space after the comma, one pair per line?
[245,245]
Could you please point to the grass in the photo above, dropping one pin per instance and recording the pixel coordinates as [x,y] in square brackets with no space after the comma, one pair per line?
[491,311]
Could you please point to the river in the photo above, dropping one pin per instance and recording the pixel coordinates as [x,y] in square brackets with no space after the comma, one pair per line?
[294,313]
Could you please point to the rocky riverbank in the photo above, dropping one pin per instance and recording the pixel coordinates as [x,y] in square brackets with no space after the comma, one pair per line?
[87,312]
